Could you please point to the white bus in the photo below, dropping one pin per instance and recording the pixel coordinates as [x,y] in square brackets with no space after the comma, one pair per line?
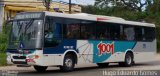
[43,39]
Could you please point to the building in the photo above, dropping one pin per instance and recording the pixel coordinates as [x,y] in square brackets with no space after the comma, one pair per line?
[1,14]
[9,8]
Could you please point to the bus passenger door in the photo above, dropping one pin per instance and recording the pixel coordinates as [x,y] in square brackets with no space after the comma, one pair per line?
[52,40]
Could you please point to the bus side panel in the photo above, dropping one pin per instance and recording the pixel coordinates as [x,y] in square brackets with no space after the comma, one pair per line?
[145,51]
[85,51]
[97,51]
[53,56]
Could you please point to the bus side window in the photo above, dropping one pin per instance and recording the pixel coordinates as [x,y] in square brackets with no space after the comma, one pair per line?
[102,31]
[149,33]
[48,33]
[87,31]
[52,32]
[73,31]
[143,35]
[138,33]
[115,32]
[129,33]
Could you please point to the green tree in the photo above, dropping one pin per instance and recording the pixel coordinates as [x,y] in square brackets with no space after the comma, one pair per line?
[3,40]
[117,11]
[137,5]
[4,36]
[153,16]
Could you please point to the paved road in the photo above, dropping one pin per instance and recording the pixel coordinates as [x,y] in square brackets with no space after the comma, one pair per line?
[84,70]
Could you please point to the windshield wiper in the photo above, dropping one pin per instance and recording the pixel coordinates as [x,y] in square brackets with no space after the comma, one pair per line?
[19,27]
[28,25]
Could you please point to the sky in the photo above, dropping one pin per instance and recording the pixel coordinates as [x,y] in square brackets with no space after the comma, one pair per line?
[82,2]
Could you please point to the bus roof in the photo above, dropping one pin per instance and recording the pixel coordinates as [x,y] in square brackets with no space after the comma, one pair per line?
[100,18]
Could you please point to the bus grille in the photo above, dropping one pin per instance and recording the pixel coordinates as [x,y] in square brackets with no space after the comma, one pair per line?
[19,62]
[19,57]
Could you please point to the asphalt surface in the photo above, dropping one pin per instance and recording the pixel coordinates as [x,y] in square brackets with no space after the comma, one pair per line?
[84,70]
[92,70]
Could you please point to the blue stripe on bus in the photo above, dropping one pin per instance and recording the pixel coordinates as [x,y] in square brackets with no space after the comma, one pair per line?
[62,47]
[17,52]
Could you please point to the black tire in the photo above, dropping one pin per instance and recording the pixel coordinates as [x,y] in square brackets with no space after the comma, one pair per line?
[102,65]
[128,61]
[68,63]
[40,68]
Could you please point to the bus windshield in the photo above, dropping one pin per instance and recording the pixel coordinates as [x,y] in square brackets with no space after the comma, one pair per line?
[26,34]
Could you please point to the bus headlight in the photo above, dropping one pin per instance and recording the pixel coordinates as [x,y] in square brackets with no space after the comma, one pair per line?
[36,56]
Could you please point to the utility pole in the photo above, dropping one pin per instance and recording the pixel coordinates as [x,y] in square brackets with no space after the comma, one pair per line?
[70,6]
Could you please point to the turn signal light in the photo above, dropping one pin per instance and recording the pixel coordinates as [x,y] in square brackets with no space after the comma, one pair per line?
[33,56]
[36,56]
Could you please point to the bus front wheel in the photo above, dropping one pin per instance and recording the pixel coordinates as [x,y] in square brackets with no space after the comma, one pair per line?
[128,61]
[40,68]
[68,63]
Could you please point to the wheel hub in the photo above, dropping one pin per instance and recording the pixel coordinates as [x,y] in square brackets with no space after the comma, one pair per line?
[129,60]
[68,62]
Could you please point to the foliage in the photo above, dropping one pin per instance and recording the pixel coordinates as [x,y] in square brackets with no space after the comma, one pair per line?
[4,35]
[3,42]
[136,5]
[3,61]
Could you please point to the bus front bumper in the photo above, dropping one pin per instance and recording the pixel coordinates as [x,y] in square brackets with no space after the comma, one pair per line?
[20,60]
